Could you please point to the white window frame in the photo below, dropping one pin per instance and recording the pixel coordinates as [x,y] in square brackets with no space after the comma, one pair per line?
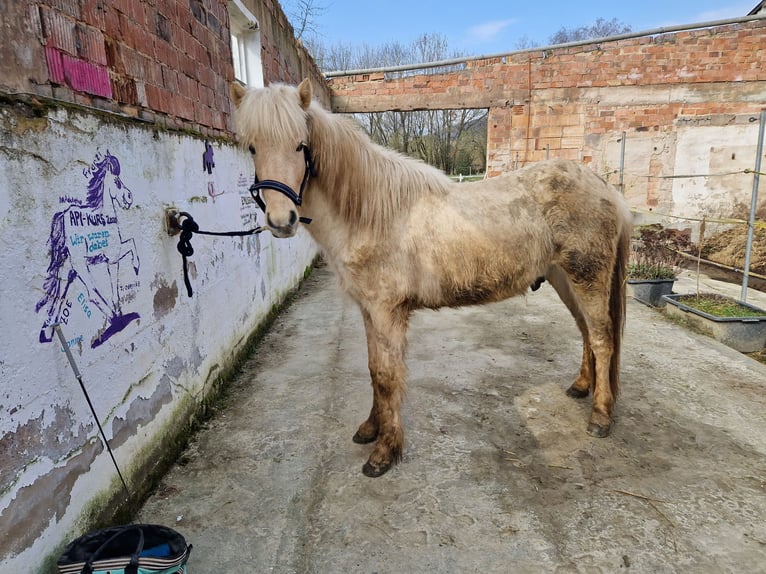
[245,44]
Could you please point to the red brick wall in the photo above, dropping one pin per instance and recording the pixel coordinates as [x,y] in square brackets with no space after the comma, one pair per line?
[165,61]
[562,98]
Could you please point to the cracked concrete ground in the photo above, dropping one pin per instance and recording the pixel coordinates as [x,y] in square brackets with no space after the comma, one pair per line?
[498,473]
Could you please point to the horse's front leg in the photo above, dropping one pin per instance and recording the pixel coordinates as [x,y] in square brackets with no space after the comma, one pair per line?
[386,344]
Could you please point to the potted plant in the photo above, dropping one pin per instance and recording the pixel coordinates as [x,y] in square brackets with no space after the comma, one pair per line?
[654,261]
[735,323]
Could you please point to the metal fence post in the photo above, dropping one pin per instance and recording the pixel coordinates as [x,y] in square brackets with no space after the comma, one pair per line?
[753,204]
[622,163]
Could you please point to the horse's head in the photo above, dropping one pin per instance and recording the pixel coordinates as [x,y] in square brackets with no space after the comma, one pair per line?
[273,124]
[118,191]
[105,177]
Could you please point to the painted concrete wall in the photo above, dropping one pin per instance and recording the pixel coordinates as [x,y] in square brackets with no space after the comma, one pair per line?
[104,111]
[84,245]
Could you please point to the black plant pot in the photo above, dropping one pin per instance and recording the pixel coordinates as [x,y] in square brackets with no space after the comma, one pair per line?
[651,291]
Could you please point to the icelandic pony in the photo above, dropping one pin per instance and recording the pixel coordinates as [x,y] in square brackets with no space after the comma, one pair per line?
[84,246]
[400,235]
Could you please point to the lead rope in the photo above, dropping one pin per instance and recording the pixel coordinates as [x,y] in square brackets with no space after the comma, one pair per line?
[188,228]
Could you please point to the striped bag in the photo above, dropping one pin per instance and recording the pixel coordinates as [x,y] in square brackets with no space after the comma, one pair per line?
[130,549]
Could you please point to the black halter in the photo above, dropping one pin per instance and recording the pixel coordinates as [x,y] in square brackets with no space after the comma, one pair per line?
[284,189]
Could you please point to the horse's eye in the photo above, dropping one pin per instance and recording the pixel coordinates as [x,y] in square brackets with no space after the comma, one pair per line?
[252,150]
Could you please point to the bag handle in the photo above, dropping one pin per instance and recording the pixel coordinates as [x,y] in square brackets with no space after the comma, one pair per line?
[132,567]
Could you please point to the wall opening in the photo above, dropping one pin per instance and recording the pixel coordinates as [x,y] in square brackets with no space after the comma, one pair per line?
[454,140]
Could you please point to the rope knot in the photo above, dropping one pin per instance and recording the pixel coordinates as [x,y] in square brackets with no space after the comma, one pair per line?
[188,228]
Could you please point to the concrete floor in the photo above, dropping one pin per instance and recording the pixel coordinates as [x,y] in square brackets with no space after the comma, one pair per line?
[498,472]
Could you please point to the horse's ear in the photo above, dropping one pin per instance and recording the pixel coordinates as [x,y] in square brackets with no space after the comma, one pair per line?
[304,91]
[238,92]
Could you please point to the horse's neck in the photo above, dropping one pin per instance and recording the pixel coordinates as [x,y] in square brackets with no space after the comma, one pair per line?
[327,227]
[366,187]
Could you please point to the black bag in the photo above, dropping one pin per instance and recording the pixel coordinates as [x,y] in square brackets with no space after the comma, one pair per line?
[129,549]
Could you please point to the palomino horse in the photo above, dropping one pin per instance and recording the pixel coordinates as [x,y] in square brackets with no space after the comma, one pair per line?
[400,235]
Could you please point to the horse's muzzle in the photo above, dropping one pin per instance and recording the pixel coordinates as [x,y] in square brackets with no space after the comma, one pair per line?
[286,229]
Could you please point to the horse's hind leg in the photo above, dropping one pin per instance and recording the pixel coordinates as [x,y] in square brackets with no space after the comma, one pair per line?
[589,304]
[586,379]
[603,399]
[386,342]
[368,430]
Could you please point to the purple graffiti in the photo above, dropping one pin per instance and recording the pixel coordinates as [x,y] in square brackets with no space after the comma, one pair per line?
[208,162]
[86,248]
[212,192]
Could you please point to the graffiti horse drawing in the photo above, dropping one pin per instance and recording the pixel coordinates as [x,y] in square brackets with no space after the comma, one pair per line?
[86,250]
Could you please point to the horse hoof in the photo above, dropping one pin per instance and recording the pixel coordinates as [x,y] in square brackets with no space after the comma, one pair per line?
[576,393]
[375,470]
[598,431]
[362,439]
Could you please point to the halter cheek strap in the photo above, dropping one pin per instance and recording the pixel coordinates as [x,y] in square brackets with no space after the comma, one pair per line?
[284,189]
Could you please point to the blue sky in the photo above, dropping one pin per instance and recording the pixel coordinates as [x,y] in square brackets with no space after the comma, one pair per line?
[491,27]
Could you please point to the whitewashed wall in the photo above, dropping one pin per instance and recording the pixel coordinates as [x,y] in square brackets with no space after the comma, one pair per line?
[144,348]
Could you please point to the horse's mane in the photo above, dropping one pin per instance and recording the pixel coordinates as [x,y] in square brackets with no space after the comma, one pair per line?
[272,115]
[95,197]
[367,184]
[58,254]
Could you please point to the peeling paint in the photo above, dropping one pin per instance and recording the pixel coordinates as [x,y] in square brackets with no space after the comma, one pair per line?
[141,376]
[30,513]
[140,413]
[195,359]
[175,367]
[32,440]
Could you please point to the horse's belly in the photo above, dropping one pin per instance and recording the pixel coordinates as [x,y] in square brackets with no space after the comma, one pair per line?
[456,288]
[484,291]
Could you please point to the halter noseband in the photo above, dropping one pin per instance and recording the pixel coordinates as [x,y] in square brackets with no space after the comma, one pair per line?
[284,189]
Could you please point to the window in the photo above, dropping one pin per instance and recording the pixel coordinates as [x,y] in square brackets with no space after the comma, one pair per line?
[245,45]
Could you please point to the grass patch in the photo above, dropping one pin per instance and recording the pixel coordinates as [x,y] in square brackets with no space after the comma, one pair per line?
[719,305]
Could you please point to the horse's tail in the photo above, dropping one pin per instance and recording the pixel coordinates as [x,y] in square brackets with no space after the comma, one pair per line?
[617,301]
[58,254]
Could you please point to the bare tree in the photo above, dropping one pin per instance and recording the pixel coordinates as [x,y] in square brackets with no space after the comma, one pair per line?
[601,28]
[525,42]
[302,15]
[438,137]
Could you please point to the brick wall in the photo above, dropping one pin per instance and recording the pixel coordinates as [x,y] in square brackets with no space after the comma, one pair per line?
[164,61]
[563,98]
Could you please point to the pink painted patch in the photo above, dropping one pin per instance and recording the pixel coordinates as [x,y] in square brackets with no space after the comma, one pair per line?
[55,65]
[86,77]
[79,75]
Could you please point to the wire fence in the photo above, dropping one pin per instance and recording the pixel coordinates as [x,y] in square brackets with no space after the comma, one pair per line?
[699,200]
